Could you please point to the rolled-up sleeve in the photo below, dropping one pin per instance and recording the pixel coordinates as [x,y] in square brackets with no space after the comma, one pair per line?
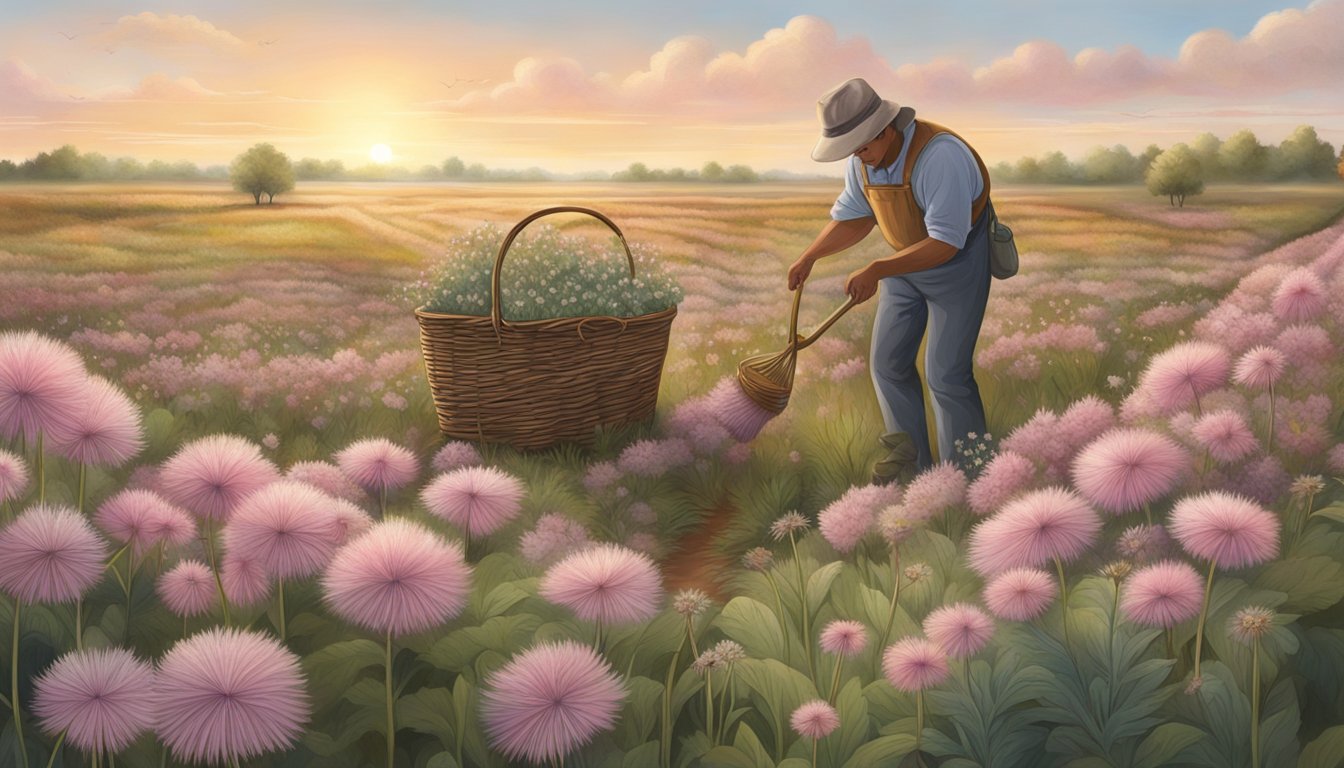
[946,181]
[851,204]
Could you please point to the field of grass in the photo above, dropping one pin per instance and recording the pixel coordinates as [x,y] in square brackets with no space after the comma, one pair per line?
[290,325]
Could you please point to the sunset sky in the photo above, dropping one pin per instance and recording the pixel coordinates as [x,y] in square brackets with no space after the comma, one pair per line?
[594,85]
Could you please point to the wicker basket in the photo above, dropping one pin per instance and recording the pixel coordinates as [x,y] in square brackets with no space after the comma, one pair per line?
[537,383]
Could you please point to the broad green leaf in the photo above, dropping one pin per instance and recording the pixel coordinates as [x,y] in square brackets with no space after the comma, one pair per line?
[645,754]
[442,760]
[854,728]
[429,710]
[333,669]
[819,585]
[747,741]
[752,624]
[882,751]
[643,708]
[504,597]
[1165,742]
[1326,751]
[501,634]
[724,756]
[1334,512]
[1312,584]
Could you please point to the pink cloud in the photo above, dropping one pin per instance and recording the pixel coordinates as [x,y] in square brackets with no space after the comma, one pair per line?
[152,29]
[19,84]
[161,87]
[1286,51]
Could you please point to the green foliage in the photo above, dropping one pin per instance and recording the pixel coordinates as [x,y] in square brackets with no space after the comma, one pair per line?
[1176,174]
[262,170]
[992,715]
[1223,712]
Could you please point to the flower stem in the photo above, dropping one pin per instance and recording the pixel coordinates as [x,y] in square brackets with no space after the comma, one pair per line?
[690,635]
[835,680]
[802,600]
[1203,616]
[779,609]
[726,701]
[814,752]
[382,502]
[1269,441]
[665,744]
[79,624]
[56,750]
[895,596]
[919,719]
[14,675]
[41,492]
[709,705]
[214,566]
[1063,601]
[280,588]
[1255,704]
[83,474]
[391,726]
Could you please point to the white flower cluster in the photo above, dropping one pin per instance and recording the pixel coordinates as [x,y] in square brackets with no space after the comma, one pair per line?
[546,274]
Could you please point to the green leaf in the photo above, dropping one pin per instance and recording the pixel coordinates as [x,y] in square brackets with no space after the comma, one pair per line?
[752,624]
[882,751]
[1312,584]
[1334,512]
[335,668]
[504,597]
[429,710]
[158,427]
[748,742]
[777,690]
[643,708]
[1326,751]
[854,726]
[442,760]
[501,634]
[645,754]
[819,585]
[728,757]
[1165,742]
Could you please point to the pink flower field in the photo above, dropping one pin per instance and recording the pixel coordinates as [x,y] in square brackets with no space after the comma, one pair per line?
[231,533]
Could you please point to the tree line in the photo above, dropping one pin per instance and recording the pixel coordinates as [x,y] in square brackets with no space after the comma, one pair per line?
[1239,158]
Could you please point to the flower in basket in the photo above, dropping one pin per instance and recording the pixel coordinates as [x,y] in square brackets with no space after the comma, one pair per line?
[546,274]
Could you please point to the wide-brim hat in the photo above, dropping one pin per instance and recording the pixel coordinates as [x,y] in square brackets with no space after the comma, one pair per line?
[851,115]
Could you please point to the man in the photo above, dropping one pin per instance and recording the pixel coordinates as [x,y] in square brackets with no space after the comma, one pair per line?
[927,191]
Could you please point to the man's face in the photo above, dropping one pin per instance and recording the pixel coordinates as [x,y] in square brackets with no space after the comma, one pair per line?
[872,152]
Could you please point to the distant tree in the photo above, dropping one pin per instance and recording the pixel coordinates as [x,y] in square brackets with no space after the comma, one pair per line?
[1176,173]
[1146,159]
[1303,155]
[475,172]
[1339,167]
[1110,166]
[1207,148]
[1055,168]
[1243,156]
[95,166]
[454,168]
[1002,173]
[8,170]
[262,170]
[1028,170]
[430,173]
[127,168]
[711,171]
[739,173]
[63,163]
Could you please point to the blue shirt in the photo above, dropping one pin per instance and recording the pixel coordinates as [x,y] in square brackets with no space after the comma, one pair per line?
[946,181]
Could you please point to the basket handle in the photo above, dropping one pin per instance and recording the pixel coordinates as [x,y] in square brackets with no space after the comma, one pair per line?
[496,316]
[797,342]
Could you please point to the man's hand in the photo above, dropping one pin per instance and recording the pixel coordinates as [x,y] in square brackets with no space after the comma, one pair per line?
[862,284]
[798,272]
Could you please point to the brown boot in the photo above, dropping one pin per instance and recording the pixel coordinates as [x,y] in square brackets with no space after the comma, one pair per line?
[901,463]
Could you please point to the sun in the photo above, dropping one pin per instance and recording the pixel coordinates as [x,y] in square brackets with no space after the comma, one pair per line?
[380,154]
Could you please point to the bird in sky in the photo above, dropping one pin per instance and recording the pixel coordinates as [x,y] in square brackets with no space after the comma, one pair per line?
[68,37]
[266,42]
[457,80]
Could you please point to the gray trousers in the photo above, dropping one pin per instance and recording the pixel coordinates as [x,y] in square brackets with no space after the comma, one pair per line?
[950,300]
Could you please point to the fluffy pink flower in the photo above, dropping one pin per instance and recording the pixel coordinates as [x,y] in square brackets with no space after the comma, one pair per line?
[1005,476]
[549,700]
[1260,367]
[653,458]
[1085,421]
[1230,530]
[1163,594]
[1225,436]
[327,478]
[378,464]
[104,431]
[13,476]
[934,490]
[960,629]
[601,476]
[102,699]
[1037,439]
[226,694]
[1263,479]
[210,476]
[245,582]
[606,583]
[1033,530]
[398,577]
[1300,297]
[347,521]
[1335,459]
[1020,594]
[553,537]
[845,521]
[50,554]
[172,526]
[286,527]
[1178,376]
[188,589]
[130,517]
[914,664]
[1143,543]
[41,382]
[455,454]
[478,500]
[1126,468]
[814,719]
[738,414]
[844,638]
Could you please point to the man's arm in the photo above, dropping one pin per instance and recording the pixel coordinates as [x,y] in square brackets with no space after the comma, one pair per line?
[926,254]
[835,237]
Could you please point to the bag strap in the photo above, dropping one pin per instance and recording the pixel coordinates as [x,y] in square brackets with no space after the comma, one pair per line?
[924,133]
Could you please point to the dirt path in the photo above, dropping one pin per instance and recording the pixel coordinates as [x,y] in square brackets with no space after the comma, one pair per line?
[697,563]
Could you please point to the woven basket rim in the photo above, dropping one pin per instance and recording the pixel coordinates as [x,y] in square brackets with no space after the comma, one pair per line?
[422,312]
